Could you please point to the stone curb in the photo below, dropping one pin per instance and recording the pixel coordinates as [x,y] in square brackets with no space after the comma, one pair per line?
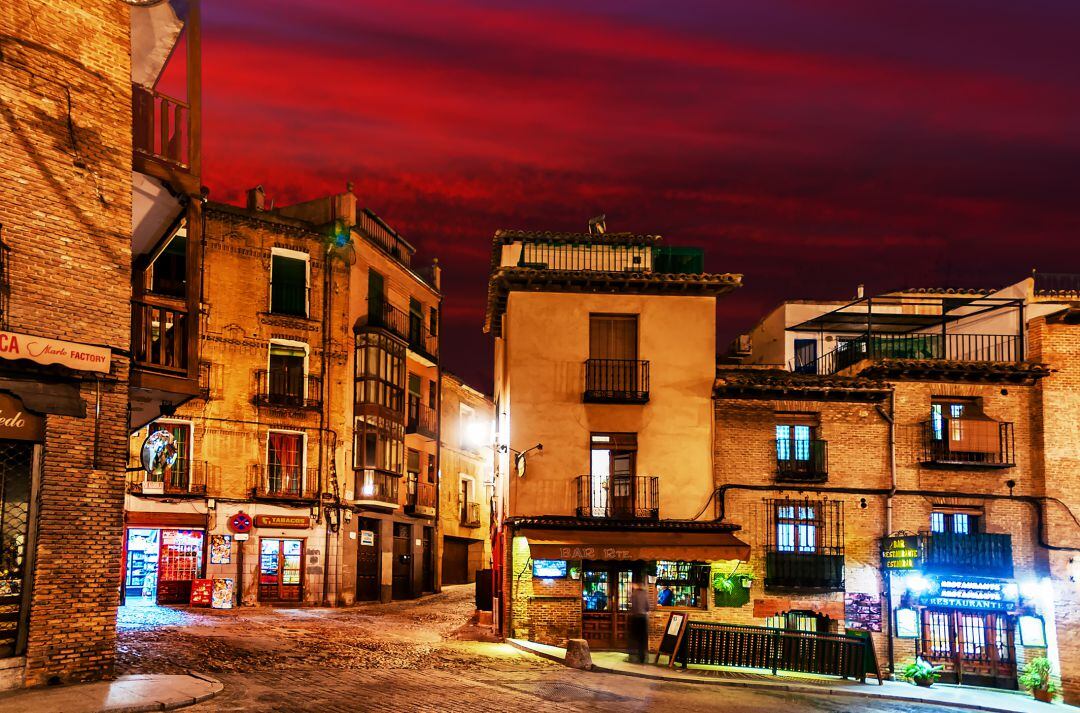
[786,687]
[216,687]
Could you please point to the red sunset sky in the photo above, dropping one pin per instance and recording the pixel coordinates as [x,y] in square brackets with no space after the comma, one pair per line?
[809,145]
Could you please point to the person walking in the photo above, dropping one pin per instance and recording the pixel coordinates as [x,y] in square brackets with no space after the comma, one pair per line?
[639,623]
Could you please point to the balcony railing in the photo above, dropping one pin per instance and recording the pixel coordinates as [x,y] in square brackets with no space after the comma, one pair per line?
[616,381]
[408,326]
[802,461]
[159,336]
[422,418]
[282,389]
[822,570]
[618,497]
[421,498]
[273,482]
[470,514]
[184,478]
[974,554]
[968,442]
[161,127]
[374,229]
[949,347]
[377,486]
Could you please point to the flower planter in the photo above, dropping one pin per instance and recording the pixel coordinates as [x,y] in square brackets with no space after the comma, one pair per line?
[923,682]
[1043,695]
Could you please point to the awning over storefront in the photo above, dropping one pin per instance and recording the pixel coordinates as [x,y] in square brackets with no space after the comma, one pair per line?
[602,545]
[61,399]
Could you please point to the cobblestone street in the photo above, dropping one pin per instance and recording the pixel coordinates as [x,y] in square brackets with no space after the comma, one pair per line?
[406,656]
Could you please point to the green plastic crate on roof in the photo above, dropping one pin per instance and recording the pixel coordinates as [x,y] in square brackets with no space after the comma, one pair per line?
[670,260]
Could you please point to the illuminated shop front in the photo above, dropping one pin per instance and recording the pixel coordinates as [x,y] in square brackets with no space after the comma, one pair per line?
[973,626]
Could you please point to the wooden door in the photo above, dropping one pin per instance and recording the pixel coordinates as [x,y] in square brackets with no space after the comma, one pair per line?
[428,556]
[974,648]
[455,561]
[401,584]
[605,605]
[367,561]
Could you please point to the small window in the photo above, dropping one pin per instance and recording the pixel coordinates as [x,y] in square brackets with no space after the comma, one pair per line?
[285,463]
[954,522]
[680,584]
[286,379]
[168,273]
[289,284]
[950,414]
[430,468]
[433,321]
[413,463]
[613,336]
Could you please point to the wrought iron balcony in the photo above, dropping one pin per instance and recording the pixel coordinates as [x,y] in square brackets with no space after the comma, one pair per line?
[421,498]
[422,418]
[968,443]
[377,487]
[184,478]
[802,461]
[616,381]
[407,325]
[973,554]
[618,497]
[282,389]
[822,570]
[274,482]
[470,514]
[949,347]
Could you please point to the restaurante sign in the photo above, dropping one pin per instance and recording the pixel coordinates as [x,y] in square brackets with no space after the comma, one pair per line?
[73,355]
[900,553]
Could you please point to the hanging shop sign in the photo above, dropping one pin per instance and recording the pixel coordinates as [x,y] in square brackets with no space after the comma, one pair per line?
[970,593]
[16,423]
[73,355]
[900,553]
[285,522]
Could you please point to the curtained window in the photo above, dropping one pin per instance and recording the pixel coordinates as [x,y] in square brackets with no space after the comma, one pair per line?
[284,459]
[613,336]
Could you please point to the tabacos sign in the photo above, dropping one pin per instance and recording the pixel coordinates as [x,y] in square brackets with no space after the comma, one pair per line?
[82,357]
[17,423]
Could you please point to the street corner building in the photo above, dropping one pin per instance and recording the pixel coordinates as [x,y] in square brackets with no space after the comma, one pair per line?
[901,466]
[101,172]
[308,468]
[605,359]
[898,469]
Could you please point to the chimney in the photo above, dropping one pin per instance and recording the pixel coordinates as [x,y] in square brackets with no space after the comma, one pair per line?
[859,292]
[256,198]
[436,274]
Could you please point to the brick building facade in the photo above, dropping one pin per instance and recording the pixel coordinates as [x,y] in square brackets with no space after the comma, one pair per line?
[74,248]
[317,418]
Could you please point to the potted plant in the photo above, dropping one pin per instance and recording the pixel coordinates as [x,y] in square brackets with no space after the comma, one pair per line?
[922,672]
[1036,678]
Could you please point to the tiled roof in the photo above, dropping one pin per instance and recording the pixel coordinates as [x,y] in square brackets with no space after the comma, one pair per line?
[507,279]
[948,370]
[772,383]
[568,522]
[944,291]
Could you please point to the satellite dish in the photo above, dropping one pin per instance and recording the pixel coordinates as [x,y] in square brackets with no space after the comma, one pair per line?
[159,452]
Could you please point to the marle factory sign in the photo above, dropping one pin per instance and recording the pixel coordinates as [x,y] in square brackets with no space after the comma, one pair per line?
[82,357]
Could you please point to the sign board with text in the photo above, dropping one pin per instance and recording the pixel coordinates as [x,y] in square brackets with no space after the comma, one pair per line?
[82,357]
[970,593]
[285,522]
[900,553]
[16,423]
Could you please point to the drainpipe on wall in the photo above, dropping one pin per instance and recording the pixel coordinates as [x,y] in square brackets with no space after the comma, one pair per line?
[328,268]
[889,418]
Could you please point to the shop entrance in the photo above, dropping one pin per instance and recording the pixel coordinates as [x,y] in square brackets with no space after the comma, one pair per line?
[367,561]
[401,586]
[974,648]
[281,570]
[605,604]
[160,565]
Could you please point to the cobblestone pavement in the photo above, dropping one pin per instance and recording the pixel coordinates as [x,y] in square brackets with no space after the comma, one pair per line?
[405,656]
